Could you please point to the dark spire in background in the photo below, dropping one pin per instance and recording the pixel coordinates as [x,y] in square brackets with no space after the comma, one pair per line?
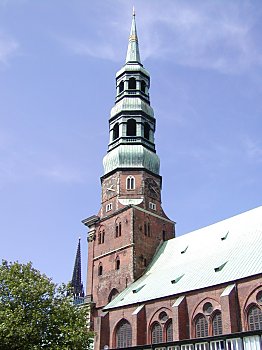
[77,285]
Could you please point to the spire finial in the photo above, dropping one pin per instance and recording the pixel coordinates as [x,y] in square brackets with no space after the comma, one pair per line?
[133,49]
[134,12]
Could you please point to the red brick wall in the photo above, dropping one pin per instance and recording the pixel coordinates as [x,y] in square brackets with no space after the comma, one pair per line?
[244,294]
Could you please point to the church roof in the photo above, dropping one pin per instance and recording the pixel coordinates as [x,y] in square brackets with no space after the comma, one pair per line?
[220,253]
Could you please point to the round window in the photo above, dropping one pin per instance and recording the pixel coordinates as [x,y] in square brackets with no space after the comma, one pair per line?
[259,297]
[163,316]
[208,308]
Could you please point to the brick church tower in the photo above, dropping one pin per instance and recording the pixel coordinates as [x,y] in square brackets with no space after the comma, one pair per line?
[131,223]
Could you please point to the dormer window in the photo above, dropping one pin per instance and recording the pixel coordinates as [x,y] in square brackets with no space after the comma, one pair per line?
[132,83]
[130,183]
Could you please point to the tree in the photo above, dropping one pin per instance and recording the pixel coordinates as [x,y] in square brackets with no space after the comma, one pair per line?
[37,314]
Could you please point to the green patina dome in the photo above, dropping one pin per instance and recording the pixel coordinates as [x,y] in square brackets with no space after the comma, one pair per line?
[131,156]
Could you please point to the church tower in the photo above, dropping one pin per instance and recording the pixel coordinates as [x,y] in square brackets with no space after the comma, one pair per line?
[131,223]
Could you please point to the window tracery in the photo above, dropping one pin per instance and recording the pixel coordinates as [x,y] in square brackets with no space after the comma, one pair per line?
[123,334]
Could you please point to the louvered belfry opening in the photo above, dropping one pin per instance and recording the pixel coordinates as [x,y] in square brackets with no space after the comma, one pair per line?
[201,327]
[254,318]
[156,333]
[124,334]
[217,323]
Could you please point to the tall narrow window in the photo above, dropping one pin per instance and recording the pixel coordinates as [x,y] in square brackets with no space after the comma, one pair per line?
[145,228]
[201,326]
[164,235]
[103,237]
[123,334]
[254,318]
[217,323]
[119,229]
[156,333]
[100,269]
[169,331]
[121,86]
[99,237]
[132,83]
[130,183]
[148,229]
[146,131]
[143,86]
[117,263]
[116,131]
[131,127]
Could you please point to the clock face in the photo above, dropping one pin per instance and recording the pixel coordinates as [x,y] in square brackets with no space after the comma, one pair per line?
[109,188]
[152,188]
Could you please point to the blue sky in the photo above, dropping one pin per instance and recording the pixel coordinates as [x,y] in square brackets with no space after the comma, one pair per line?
[58,61]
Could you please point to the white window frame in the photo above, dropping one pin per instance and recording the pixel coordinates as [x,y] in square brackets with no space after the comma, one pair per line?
[130,182]
[109,207]
[152,206]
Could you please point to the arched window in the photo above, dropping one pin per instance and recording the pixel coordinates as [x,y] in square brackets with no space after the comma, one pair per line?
[117,263]
[101,235]
[169,331]
[123,334]
[100,269]
[156,333]
[116,131]
[201,326]
[121,86]
[132,83]
[254,318]
[217,323]
[113,294]
[143,86]
[131,127]
[119,229]
[130,183]
[146,131]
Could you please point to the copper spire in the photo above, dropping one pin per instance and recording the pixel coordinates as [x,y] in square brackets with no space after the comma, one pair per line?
[133,48]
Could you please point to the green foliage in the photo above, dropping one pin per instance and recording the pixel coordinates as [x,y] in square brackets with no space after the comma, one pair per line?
[36,314]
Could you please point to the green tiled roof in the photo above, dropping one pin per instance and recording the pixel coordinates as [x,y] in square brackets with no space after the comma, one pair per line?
[220,253]
[131,156]
[132,68]
[132,104]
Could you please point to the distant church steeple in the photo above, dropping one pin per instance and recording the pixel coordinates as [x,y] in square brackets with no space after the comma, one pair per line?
[77,285]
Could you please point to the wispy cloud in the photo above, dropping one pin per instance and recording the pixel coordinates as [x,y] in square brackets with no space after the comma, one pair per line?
[83,47]
[18,164]
[253,149]
[62,173]
[218,36]
[8,48]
